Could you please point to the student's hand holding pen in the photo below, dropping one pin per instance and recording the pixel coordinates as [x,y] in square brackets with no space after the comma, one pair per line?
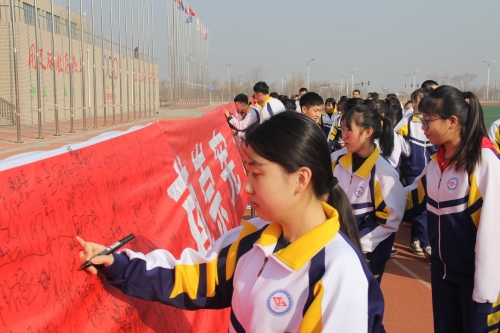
[91,250]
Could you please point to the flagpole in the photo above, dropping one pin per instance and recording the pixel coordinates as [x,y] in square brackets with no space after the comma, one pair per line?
[127,61]
[71,94]
[113,104]
[143,59]
[103,69]
[139,61]
[16,72]
[84,102]
[54,70]
[94,68]
[120,59]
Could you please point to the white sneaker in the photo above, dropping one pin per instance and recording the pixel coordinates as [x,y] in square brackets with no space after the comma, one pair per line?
[415,247]
[427,250]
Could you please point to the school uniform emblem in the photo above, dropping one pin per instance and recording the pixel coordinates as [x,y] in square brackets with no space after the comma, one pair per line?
[452,184]
[359,191]
[279,302]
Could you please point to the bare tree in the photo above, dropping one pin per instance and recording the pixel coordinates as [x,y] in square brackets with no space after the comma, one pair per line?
[463,81]
[254,75]
[441,78]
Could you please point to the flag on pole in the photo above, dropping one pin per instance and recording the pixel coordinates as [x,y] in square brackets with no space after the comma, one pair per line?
[198,24]
[191,12]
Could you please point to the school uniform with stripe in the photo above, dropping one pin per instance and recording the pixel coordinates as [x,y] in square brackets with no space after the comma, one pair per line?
[416,149]
[462,214]
[335,133]
[318,283]
[494,134]
[326,121]
[270,107]
[378,201]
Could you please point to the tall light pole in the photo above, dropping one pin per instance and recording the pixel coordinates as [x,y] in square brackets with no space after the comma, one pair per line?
[282,80]
[352,78]
[414,73]
[341,82]
[307,63]
[228,81]
[488,84]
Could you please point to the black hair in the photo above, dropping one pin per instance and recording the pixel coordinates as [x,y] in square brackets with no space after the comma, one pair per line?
[341,103]
[381,107]
[374,95]
[310,99]
[394,114]
[359,92]
[332,101]
[303,89]
[352,102]
[370,102]
[366,117]
[447,101]
[261,87]
[290,105]
[420,93]
[408,102]
[429,84]
[293,140]
[241,98]
[274,94]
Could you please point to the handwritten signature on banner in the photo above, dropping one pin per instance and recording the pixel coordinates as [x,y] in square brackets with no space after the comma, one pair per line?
[141,183]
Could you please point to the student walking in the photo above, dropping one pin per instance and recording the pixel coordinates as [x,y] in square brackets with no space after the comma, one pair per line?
[459,189]
[302,272]
[370,182]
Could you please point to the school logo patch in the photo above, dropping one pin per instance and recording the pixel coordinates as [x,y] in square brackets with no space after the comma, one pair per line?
[279,302]
[452,184]
[359,191]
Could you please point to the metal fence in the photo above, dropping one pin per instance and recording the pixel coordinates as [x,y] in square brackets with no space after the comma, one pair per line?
[59,76]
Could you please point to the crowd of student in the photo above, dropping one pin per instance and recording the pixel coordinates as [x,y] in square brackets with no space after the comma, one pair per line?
[331,182]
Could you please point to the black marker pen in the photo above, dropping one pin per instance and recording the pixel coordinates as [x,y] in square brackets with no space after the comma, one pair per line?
[108,250]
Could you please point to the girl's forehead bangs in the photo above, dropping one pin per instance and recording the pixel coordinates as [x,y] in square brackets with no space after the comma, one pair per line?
[429,105]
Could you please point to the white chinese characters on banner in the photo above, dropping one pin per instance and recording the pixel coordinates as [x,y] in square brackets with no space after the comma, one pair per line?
[197,223]
[218,213]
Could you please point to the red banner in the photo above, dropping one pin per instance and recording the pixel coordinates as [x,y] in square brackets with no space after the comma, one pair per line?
[174,184]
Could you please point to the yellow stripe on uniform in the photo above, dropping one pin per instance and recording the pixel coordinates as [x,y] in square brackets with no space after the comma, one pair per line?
[212,277]
[383,214]
[313,321]
[494,318]
[232,254]
[474,196]
[403,131]
[186,280]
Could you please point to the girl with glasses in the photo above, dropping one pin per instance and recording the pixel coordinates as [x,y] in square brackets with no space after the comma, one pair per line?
[459,190]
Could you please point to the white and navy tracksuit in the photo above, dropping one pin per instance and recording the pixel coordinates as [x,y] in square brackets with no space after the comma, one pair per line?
[249,118]
[318,283]
[326,121]
[335,133]
[494,134]
[464,231]
[270,107]
[416,153]
[378,202]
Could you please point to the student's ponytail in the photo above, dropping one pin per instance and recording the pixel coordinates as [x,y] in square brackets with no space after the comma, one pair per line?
[386,139]
[447,101]
[338,200]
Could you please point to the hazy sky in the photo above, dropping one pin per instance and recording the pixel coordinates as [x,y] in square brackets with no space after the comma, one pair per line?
[382,39]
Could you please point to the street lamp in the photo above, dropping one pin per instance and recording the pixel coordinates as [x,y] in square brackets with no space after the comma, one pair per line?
[488,84]
[282,79]
[341,82]
[352,79]
[414,73]
[307,63]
